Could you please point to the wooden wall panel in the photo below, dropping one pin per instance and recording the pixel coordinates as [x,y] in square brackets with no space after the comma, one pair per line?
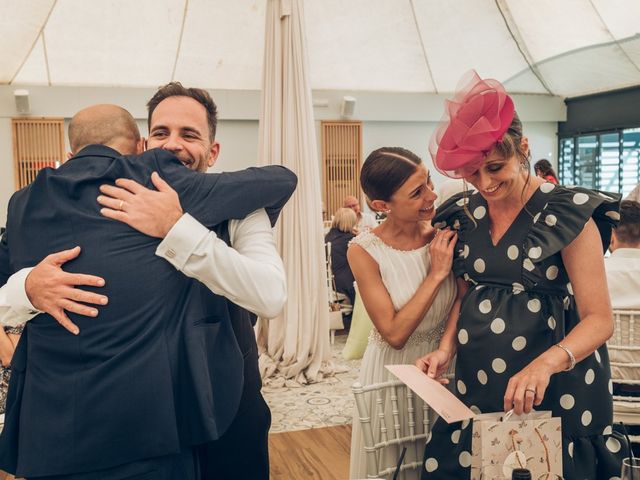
[341,162]
[37,143]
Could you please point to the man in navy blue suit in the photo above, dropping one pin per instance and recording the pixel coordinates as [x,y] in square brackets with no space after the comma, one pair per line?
[123,397]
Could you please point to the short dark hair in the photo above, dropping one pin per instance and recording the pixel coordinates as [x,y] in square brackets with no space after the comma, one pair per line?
[628,229]
[175,89]
[385,170]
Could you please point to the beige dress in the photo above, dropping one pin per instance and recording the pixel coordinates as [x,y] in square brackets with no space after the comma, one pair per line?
[402,273]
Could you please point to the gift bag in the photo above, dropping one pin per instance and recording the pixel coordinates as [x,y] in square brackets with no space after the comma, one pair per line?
[532,441]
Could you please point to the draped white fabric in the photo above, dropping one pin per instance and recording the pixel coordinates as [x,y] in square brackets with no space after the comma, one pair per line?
[294,345]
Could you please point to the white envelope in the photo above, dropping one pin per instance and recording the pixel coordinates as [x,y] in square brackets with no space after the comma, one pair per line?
[436,395]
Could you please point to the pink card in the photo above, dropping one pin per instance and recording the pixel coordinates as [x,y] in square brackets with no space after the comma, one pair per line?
[432,392]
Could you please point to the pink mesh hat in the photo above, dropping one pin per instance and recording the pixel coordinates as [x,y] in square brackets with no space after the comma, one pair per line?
[475,119]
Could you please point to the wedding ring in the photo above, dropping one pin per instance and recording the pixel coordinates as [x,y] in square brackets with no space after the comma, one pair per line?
[121,205]
[532,390]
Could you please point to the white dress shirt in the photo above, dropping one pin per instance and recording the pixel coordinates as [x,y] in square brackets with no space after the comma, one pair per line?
[250,274]
[367,222]
[623,277]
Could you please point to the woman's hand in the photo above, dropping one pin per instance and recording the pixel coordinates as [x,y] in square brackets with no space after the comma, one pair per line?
[527,387]
[441,253]
[434,364]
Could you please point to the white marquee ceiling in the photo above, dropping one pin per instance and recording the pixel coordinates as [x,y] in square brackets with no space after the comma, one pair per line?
[562,47]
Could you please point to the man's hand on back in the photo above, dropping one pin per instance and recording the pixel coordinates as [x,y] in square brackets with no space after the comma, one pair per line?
[152,212]
[52,290]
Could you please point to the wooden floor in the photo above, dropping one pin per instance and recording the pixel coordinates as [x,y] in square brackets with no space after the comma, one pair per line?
[316,454]
[319,453]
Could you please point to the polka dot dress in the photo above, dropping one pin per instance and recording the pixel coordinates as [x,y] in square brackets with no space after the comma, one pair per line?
[519,303]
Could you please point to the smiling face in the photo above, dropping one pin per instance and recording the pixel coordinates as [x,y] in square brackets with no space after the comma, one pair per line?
[414,200]
[501,178]
[179,125]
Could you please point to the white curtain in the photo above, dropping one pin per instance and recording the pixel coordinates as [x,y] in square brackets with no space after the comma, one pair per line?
[294,347]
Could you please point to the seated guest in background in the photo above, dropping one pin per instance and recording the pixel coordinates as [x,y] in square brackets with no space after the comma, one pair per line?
[366,221]
[9,337]
[341,233]
[634,194]
[623,266]
[544,170]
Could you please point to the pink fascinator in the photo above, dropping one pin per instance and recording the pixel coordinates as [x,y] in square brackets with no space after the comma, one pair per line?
[474,121]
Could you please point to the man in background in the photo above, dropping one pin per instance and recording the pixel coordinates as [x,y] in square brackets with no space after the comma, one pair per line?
[366,221]
[623,265]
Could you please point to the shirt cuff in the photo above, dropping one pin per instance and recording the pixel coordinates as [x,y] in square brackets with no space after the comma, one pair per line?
[16,291]
[182,240]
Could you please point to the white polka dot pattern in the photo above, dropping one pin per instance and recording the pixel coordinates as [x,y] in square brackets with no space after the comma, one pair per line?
[431,465]
[482,377]
[485,306]
[580,198]
[455,437]
[463,336]
[547,187]
[479,212]
[589,377]
[551,220]
[465,459]
[528,264]
[551,322]
[552,272]
[462,388]
[479,265]
[535,252]
[534,305]
[613,445]
[498,325]
[567,401]
[499,365]
[586,418]
[512,252]
[519,343]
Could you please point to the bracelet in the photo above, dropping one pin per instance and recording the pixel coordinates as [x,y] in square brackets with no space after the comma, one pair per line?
[572,359]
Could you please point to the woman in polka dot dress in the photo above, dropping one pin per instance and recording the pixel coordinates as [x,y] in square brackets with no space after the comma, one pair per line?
[533,301]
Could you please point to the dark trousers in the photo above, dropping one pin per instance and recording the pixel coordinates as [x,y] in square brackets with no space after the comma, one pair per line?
[243,451]
[170,467]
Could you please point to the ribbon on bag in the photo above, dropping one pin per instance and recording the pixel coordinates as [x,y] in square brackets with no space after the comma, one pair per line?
[533,442]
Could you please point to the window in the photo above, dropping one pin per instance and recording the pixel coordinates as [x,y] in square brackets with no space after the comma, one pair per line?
[341,161]
[605,161]
[37,143]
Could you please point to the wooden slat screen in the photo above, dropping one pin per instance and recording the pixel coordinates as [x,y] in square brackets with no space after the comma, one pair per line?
[341,162]
[37,143]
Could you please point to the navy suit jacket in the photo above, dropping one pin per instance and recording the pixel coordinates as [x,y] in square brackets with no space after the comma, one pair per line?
[159,368]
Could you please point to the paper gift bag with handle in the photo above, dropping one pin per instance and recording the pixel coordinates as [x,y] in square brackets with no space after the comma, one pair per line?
[532,441]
